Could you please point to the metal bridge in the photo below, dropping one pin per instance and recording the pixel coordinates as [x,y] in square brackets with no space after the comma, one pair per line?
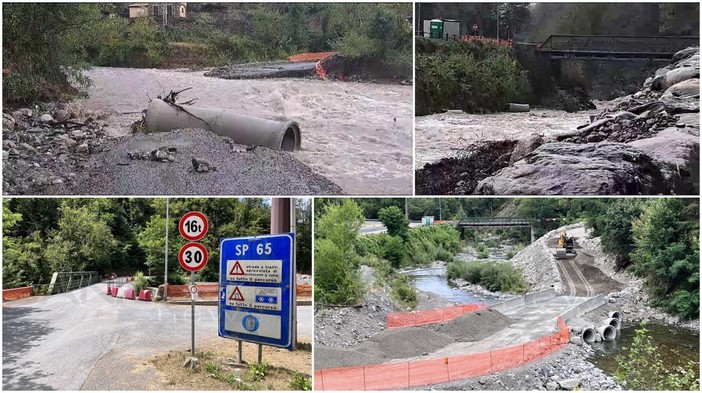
[615,48]
[494,222]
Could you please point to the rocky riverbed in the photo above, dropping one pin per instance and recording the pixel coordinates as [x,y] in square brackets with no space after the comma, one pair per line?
[642,144]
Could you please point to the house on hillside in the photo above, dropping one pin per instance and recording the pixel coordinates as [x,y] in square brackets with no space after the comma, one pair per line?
[172,10]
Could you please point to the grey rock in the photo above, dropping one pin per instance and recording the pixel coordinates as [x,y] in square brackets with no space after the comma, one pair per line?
[569,384]
[191,362]
[579,169]
[61,115]
[83,148]
[46,118]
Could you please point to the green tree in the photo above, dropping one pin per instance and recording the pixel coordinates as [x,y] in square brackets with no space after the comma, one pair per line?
[616,232]
[666,254]
[394,220]
[335,269]
[82,242]
[43,48]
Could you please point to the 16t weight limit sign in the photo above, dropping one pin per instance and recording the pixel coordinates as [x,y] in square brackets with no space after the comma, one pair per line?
[193,226]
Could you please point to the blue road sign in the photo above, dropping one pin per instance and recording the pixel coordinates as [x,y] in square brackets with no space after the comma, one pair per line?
[257,289]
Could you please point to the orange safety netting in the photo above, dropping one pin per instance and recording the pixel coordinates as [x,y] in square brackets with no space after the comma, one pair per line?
[310,56]
[414,318]
[495,41]
[433,371]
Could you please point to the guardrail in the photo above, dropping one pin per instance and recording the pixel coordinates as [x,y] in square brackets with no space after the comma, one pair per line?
[68,281]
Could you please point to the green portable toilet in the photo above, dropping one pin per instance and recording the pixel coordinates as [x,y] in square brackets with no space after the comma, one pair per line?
[436,28]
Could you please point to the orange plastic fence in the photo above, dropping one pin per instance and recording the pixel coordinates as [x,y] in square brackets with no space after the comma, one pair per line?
[304,290]
[310,56]
[415,318]
[486,39]
[405,375]
[16,293]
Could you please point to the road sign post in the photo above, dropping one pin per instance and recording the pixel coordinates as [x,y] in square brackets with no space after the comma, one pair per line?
[192,257]
[257,290]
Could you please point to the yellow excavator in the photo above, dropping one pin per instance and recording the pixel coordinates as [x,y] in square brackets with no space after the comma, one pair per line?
[565,248]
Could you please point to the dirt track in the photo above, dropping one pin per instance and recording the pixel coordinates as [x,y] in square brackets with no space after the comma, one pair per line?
[358,135]
[580,276]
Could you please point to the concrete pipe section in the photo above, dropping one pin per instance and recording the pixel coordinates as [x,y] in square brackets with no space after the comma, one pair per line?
[242,129]
[613,322]
[616,315]
[518,107]
[607,332]
[588,335]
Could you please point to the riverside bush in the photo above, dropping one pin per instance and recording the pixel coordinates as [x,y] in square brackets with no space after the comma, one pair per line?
[495,277]
[431,243]
[471,76]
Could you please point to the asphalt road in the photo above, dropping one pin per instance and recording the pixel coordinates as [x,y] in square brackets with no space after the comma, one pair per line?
[86,340]
[371,227]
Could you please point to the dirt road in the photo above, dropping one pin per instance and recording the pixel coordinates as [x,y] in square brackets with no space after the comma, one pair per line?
[580,276]
[359,135]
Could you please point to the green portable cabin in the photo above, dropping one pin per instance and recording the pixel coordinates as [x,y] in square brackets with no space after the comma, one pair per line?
[436,28]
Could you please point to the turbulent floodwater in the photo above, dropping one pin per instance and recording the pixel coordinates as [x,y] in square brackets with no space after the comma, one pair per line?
[443,135]
[349,133]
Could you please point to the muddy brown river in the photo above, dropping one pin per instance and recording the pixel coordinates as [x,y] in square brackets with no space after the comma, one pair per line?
[359,135]
[446,134]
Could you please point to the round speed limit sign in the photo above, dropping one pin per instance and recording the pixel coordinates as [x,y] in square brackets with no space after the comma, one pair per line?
[193,257]
[193,226]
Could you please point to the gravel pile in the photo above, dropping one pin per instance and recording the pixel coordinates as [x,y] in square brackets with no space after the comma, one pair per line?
[329,357]
[405,343]
[205,164]
[475,326]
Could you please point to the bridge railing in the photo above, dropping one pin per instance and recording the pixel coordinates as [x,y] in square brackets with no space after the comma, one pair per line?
[493,221]
[617,44]
[68,281]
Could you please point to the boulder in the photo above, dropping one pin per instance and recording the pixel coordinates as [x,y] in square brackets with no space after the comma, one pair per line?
[685,53]
[676,104]
[687,88]
[524,147]
[569,384]
[579,169]
[8,122]
[46,118]
[673,77]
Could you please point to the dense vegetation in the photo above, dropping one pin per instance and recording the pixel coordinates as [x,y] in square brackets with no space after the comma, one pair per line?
[340,251]
[494,276]
[47,45]
[475,77]
[125,236]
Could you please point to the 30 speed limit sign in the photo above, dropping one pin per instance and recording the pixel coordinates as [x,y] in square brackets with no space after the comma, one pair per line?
[193,226]
[193,257]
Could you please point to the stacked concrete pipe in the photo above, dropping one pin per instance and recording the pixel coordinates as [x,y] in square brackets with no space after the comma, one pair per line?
[613,322]
[588,335]
[242,129]
[607,332]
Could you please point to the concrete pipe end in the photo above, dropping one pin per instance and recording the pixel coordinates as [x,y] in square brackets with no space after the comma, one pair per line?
[292,137]
[607,332]
[588,335]
[613,322]
[616,315]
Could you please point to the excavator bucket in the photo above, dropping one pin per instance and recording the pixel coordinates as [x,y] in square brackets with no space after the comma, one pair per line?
[563,253]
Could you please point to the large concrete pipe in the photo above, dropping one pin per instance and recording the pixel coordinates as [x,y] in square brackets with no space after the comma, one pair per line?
[607,332]
[517,107]
[616,315]
[588,335]
[242,129]
[613,322]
